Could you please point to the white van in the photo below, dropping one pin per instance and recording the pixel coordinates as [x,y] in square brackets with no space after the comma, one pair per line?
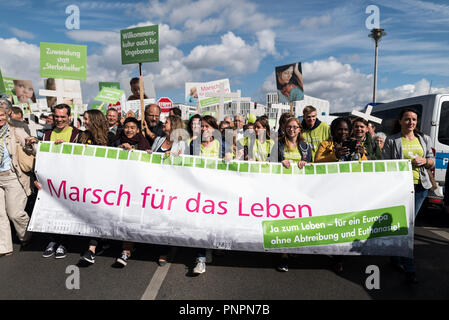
[433,121]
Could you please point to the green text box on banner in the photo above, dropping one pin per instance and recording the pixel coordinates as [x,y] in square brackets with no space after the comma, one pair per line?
[109,95]
[9,85]
[140,44]
[336,228]
[115,85]
[63,61]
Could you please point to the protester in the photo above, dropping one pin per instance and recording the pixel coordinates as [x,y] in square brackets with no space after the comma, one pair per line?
[175,111]
[360,133]
[340,147]
[114,126]
[135,90]
[281,124]
[371,128]
[292,147]
[194,127]
[130,138]
[5,103]
[379,139]
[337,149]
[224,125]
[16,114]
[315,131]
[239,122]
[258,147]
[410,143]
[62,132]
[206,145]
[229,119]
[152,126]
[96,134]
[14,183]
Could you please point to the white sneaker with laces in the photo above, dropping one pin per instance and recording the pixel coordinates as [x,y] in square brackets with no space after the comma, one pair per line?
[200,267]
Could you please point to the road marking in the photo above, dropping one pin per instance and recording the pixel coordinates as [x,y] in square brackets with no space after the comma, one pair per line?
[158,278]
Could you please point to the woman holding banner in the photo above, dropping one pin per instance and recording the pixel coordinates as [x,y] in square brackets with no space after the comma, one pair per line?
[130,138]
[15,182]
[96,134]
[208,144]
[292,148]
[371,149]
[410,143]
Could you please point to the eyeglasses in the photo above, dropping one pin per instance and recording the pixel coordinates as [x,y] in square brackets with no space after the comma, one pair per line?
[292,128]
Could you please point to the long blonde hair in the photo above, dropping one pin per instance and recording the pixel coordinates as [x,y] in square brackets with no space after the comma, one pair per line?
[98,128]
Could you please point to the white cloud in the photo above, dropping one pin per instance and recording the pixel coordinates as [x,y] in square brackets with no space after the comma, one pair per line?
[316,22]
[266,39]
[21,33]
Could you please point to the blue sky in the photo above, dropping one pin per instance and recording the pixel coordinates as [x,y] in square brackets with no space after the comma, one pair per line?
[243,40]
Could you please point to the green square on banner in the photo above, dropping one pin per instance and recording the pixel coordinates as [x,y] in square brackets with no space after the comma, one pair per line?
[112,153]
[254,168]
[134,155]
[78,150]
[321,169]
[211,164]
[140,44]
[380,166]
[45,147]
[332,168]
[63,61]
[367,167]
[100,153]
[56,148]
[157,158]
[188,162]
[296,170]
[356,167]
[166,160]
[309,169]
[276,168]
[145,157]
[199,163]
[265,168]
[123,154]
[403,166]
[177,161]
[391,166]
[288,170]
[244,167]
[222,165]
[89,151]
[233,166]
[67,149]
[344,167]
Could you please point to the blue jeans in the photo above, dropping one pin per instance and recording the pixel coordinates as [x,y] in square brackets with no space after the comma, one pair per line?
[420,196]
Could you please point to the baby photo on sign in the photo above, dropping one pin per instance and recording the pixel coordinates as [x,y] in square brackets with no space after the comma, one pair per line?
[24,91]
[289,82]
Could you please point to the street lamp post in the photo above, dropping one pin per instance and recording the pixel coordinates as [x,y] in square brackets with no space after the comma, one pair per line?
[376,34]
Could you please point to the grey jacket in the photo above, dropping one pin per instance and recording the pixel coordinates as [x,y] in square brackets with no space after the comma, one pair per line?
[393,150]
[178,147]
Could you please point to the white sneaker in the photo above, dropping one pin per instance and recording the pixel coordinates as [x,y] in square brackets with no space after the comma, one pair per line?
[200,267]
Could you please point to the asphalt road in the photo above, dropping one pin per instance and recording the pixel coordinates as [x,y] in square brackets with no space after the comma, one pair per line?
[233,276]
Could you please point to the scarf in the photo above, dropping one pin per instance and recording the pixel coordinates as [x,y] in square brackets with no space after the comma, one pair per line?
[3,133]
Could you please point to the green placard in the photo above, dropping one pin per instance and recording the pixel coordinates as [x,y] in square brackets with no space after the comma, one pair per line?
[109,95]
[63,61]
[140,44]
[335,228]
[100,107]
[115,85]
[2,85]
[9,85]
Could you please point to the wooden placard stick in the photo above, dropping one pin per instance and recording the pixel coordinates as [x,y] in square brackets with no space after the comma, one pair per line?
[142,117]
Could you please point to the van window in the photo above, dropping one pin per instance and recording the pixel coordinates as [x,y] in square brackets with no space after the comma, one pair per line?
[390,116]
[443,131]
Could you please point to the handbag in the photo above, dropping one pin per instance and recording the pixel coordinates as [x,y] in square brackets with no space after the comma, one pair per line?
[26,161]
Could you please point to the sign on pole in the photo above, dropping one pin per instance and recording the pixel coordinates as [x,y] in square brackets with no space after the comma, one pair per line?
[2,85]
[165,104]
[140,44]
[109,95]
[63,61]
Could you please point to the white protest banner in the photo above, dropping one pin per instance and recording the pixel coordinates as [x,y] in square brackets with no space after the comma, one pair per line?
[211,87]
[351,208]
[134,106]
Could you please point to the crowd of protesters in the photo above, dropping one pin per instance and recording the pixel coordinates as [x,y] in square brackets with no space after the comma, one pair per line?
[295,143]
